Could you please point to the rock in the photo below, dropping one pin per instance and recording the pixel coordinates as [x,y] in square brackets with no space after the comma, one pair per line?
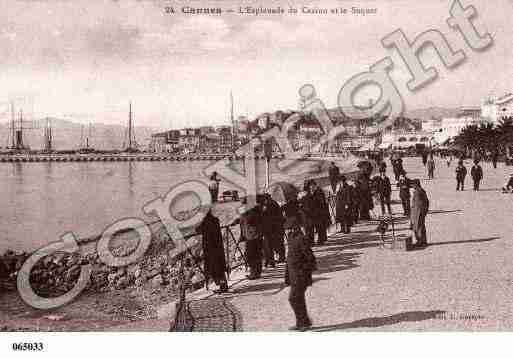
[137,273]
[73,273]
[157,280]
[112,277]
[197,278]
[120,272]
[122,283]
[139,282]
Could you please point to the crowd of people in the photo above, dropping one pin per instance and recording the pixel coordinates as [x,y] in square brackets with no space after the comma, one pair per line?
[304,218]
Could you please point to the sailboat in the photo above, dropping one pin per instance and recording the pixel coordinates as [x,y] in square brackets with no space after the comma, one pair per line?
[132,144]
[86,148]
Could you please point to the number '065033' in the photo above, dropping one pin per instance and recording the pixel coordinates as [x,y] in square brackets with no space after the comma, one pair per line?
[27,346]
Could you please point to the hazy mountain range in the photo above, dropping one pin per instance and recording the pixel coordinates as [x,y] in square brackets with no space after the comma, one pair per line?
[428,113]
[68,135]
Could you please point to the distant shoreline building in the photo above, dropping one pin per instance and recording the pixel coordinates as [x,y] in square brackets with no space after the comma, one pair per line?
[497,110]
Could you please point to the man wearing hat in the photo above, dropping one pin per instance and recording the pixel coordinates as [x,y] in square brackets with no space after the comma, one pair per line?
[272,226]
[404,185]
[461,173]
[316,211]
[251,233]
[300,265]
[344,205]
[419,210]
[476,172]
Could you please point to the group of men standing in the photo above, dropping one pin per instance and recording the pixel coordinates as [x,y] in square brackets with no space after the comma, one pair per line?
[476,172]
[353,202]
[264,226]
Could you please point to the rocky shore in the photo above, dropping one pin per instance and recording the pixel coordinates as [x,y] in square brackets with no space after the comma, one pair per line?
[118,293]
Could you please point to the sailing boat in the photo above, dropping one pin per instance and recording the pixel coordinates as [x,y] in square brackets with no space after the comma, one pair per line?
[132,144]
[86,148]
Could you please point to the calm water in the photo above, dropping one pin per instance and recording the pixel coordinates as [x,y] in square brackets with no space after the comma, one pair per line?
[42,201]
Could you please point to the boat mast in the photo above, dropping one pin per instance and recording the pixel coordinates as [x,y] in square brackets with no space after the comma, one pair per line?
[13,128]
[130,127]
[232,121]
[19,137]
[81,137]
[88,135]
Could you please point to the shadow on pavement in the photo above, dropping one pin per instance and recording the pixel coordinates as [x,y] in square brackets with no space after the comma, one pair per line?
[467,241]
[375,322]
[439,211]
[278,286]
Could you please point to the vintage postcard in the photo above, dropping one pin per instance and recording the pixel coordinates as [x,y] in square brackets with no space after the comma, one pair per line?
[255,166]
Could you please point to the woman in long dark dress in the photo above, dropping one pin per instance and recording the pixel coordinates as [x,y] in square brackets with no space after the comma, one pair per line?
[213,251]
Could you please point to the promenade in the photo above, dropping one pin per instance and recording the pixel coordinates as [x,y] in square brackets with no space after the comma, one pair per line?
[462,281]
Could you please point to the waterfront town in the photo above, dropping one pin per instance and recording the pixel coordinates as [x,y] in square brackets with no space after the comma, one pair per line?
[404,133]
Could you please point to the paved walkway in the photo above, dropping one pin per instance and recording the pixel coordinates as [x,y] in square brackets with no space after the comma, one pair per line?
[462,281]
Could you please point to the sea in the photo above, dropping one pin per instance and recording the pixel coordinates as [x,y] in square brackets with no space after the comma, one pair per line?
[41,201]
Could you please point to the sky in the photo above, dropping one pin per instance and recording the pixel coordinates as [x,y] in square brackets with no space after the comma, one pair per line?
[86,60]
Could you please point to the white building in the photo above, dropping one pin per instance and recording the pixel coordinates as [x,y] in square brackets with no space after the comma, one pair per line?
[405,139]
[450,127]
[496,110]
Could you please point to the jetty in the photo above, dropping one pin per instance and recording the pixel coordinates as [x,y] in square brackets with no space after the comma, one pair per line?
[91,157]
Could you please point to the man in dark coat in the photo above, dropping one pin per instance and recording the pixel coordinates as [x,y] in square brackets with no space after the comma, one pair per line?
[272,226]
[431,167]
[300,265]
[344,205]
[476,172]
[419,210]
[495,157]
[365,196]
[317,212]
[333,174]
[424,158]
[355,203]
[404,193]
[251,232]
[384,191]
[213,251]
[461,173]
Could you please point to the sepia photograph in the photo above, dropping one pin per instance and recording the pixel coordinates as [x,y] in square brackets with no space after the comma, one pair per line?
[299,167]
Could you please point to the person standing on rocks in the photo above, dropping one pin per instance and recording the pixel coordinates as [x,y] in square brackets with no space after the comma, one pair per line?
[431,167]
[476,172]
[213,251]
[419,210]
[251,232]
[404,193]
[461,173]
[333,174]
[344,205]
[300,265]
